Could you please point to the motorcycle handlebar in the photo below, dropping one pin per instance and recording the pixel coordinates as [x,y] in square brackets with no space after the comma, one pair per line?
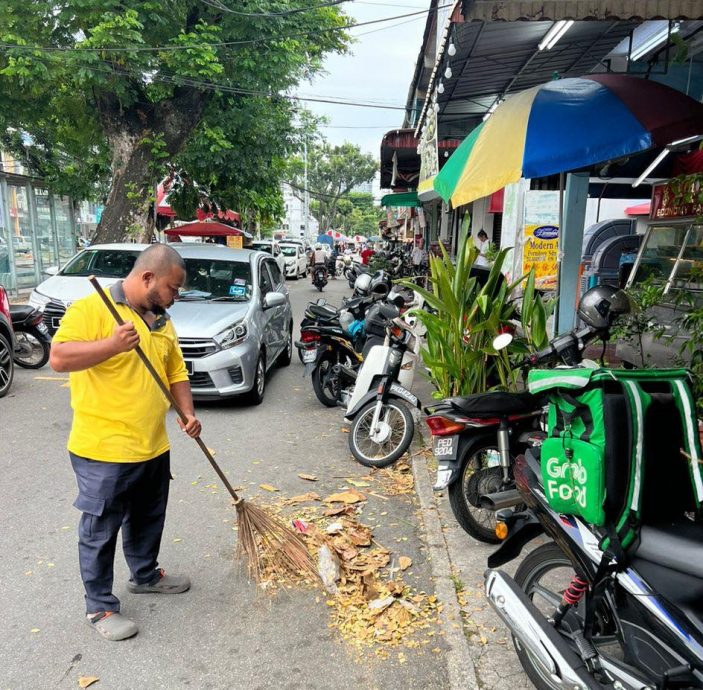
[560,345]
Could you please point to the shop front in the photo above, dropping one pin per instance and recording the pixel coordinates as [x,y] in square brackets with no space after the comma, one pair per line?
[37,231]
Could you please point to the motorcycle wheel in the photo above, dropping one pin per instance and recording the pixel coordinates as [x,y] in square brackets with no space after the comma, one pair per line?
[30,353]
[402,428]
[543,575]
[476,479]
[322,384]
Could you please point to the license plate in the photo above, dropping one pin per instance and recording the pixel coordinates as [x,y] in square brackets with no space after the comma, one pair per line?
[309,356]
[445,447]
[55,321]
[41,327]
[189,367]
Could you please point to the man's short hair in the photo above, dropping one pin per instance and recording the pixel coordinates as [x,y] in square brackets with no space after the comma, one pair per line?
[159,259]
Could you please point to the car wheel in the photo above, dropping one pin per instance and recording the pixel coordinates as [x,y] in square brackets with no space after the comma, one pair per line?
[285,357]
[7,366]
[256,395]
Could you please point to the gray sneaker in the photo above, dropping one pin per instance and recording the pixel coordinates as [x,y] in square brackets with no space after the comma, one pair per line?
[166,584]
[112,625]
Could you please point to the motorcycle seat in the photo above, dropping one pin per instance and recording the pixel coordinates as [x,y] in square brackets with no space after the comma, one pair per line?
[675,545]
[325,312]
[496,404]
[19,312]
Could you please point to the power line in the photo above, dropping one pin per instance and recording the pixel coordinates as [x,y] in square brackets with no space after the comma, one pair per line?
[219,44]
[285,13]
[212,86]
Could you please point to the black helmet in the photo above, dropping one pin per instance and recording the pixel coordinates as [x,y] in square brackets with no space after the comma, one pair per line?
[601,305]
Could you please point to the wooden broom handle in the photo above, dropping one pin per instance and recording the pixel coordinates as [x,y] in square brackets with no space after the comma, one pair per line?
[164,388]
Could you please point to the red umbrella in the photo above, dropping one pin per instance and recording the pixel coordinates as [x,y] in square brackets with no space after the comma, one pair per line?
[205,228]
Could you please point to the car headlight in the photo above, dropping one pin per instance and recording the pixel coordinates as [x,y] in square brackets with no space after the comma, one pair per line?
[38,301]
[232,336]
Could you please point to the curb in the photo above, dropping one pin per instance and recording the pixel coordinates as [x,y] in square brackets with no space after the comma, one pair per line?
[460,665]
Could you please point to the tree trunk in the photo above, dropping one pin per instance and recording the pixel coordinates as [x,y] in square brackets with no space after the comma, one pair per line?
[133,135]
[126,213]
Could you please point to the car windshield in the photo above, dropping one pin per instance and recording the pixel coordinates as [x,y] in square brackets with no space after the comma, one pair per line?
[262,247]
[289,251]
[111,263]
[208,279]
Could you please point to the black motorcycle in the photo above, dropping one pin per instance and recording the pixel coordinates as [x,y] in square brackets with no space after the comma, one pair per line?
[319,277]
[33,341]
[615,605]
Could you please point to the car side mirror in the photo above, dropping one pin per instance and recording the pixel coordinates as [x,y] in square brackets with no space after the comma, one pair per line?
[274,299]
[51,270]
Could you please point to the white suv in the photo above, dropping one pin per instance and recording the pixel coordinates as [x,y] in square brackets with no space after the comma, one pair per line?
[271,247]
[296,259]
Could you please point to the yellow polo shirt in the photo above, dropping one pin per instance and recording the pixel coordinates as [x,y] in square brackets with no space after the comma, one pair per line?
[118,410]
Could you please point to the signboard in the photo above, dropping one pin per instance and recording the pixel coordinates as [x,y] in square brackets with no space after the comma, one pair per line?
[235,241]
[540,237]
[667,201]
[429,159]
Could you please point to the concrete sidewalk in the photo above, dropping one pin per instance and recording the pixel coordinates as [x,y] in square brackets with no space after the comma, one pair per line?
[482,654]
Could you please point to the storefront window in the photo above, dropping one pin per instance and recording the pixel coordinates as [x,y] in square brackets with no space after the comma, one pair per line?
[67,241]
[44,230]
[6,277]
[21,235]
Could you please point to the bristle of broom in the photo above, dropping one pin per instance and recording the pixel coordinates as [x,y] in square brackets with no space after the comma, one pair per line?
[269,546]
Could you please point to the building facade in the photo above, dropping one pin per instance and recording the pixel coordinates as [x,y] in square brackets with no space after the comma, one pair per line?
[293,223]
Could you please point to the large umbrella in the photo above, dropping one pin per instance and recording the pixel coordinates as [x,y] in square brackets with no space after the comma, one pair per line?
[206,228]
[565,125]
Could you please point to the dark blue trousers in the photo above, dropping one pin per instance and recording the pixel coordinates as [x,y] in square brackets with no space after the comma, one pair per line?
[114,495]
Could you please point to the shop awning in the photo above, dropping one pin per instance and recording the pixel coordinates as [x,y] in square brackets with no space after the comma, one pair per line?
[639,209]
[206,228]
[405,199]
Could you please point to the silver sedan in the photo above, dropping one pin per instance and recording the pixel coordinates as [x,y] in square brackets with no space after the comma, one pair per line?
[234,320]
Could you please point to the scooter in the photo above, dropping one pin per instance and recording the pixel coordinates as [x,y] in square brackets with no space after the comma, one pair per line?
[32,337]
[319,277]
[382,426]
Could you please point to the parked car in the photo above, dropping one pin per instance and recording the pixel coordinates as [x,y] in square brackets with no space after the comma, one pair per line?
[233,318]
[109,262]
[296,260]
[273,248]
[7,344]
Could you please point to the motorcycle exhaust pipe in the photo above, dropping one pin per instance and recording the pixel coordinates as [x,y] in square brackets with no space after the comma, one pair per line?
[500,500]
[534,633]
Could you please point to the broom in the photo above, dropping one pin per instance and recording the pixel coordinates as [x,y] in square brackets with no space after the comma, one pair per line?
[265,543]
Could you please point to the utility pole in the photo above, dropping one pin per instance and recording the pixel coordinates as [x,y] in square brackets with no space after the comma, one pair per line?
[306,198]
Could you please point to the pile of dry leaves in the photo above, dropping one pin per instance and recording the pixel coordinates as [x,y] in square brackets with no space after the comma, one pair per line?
[370,604]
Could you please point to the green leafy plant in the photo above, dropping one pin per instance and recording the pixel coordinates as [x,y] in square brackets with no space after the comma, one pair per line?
[465,318]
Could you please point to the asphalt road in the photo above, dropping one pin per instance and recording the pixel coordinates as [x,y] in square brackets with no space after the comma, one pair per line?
[222,633]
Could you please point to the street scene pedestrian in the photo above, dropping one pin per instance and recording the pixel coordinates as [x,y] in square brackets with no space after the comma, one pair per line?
[466,454]
[118,445]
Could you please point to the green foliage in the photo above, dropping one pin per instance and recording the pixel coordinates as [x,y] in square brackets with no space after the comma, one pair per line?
[83,79]
[632,327]
[459,351]
[333,171]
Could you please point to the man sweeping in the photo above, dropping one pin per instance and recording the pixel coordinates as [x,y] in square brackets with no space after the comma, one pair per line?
[118,444]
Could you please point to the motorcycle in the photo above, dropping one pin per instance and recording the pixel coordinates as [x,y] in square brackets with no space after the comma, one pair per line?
[354,271]
[476,439]
[319,277]
[33,341]
[382,426]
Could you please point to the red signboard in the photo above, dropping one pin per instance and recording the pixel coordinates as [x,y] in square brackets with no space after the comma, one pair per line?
[667,202]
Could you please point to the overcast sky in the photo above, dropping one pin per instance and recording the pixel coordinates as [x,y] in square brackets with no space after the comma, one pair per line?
[377,69]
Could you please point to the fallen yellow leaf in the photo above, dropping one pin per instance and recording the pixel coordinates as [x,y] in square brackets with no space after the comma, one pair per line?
[405,562]
[346,497]
[354,482]
[34,630]
[175,541]
[309,477]
[212,451]
[85,681]
[267,487]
